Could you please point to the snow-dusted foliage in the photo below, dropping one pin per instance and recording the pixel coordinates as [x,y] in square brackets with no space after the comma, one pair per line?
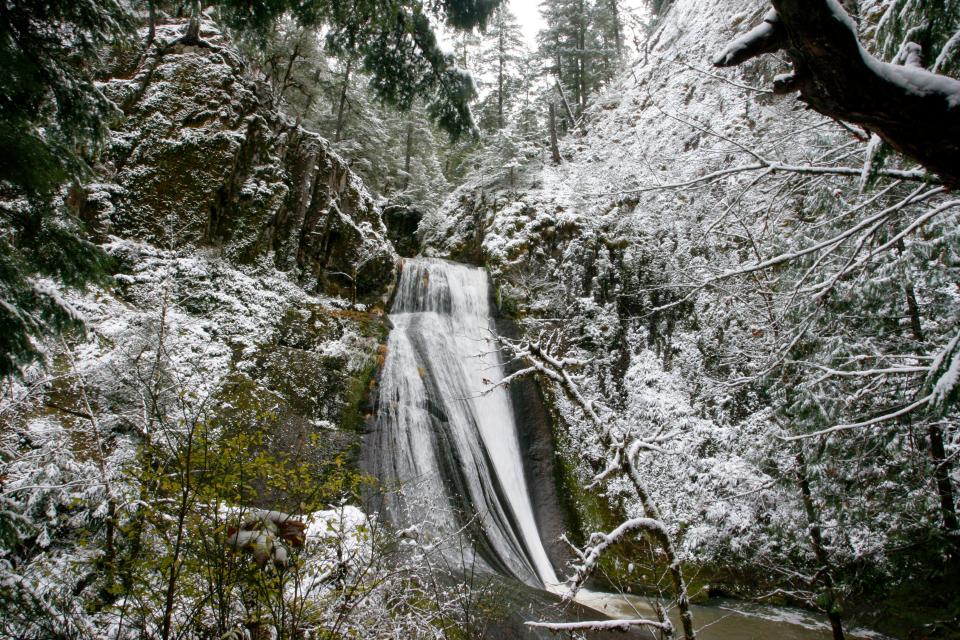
[221,368]
[179,344]
[765,284]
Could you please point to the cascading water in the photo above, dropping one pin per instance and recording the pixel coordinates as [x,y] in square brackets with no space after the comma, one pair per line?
[446,438]
[446,442]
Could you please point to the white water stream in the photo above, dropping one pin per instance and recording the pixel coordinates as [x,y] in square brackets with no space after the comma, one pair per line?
[447,436]
[447,445]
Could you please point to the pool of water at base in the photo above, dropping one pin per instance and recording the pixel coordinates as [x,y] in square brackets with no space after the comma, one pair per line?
[728,619]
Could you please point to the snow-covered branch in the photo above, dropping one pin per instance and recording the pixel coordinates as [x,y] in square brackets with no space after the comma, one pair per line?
[887,417]
[912,109]
[594,551]
[603,625]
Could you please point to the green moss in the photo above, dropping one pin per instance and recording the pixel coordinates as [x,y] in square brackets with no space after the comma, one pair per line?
[301,404]
[358,390]
[590,511]
[507,305]
[270,425]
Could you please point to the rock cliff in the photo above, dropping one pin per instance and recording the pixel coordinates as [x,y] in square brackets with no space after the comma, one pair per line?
[200,158]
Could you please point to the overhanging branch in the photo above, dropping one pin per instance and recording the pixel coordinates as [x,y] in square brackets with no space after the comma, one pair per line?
[917,112]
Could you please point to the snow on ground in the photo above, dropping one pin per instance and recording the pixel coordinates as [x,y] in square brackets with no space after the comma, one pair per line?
[670,186]
[204,319]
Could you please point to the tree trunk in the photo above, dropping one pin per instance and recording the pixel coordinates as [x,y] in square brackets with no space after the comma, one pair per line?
[913,110]
[913,309]
[152,24]
[288,72]
[342,107]
[500,78]
[310,98]
[563,96]
[582,60]
[409,155]
[941,464]
[674,566]
[941,472]
[816,540]
[192,36]
[617,28]
[174,574]
[554,149]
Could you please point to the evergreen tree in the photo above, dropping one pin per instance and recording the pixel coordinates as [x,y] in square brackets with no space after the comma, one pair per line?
[932,25]
[399,49]
[659,6]
[502,62]
[581,46]
[608,20]
[466,48]
[51,120]
[420,181]
[505,151]
[397,154]
[566,44]
[50,110]
[292,61]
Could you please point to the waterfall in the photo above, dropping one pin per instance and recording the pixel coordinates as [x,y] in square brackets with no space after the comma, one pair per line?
[446,437]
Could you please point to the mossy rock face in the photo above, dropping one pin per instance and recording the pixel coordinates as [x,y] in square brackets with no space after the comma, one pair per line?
[308,328]
[247,406]
[310,383]
[271,425]
[199,159]
[313,325]
[318,360]
[301,394]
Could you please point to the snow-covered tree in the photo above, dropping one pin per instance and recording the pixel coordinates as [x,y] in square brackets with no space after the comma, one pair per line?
[502,62]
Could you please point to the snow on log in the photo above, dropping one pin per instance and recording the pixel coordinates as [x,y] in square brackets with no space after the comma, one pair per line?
[602,625]
[766,37]
[915,111]
[287,527]
[263,534]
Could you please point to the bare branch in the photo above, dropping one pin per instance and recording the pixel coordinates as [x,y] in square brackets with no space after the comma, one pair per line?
[910,408]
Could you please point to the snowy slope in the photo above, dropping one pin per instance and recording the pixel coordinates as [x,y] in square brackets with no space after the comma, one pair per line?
[240,245]
[686,173]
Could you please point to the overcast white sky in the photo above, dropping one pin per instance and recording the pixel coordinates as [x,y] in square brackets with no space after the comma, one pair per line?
[528,13]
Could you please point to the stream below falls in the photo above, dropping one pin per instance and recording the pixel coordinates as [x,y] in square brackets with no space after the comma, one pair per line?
[446,442]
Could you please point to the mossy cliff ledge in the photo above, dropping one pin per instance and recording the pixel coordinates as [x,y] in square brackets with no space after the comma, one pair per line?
[250,268]
[200,158]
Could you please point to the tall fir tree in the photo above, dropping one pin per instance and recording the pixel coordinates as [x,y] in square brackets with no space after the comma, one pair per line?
[608,20]
[501,65]
[566,44]
[581,46]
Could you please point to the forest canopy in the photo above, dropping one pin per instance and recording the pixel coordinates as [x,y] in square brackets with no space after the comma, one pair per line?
[53,117]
